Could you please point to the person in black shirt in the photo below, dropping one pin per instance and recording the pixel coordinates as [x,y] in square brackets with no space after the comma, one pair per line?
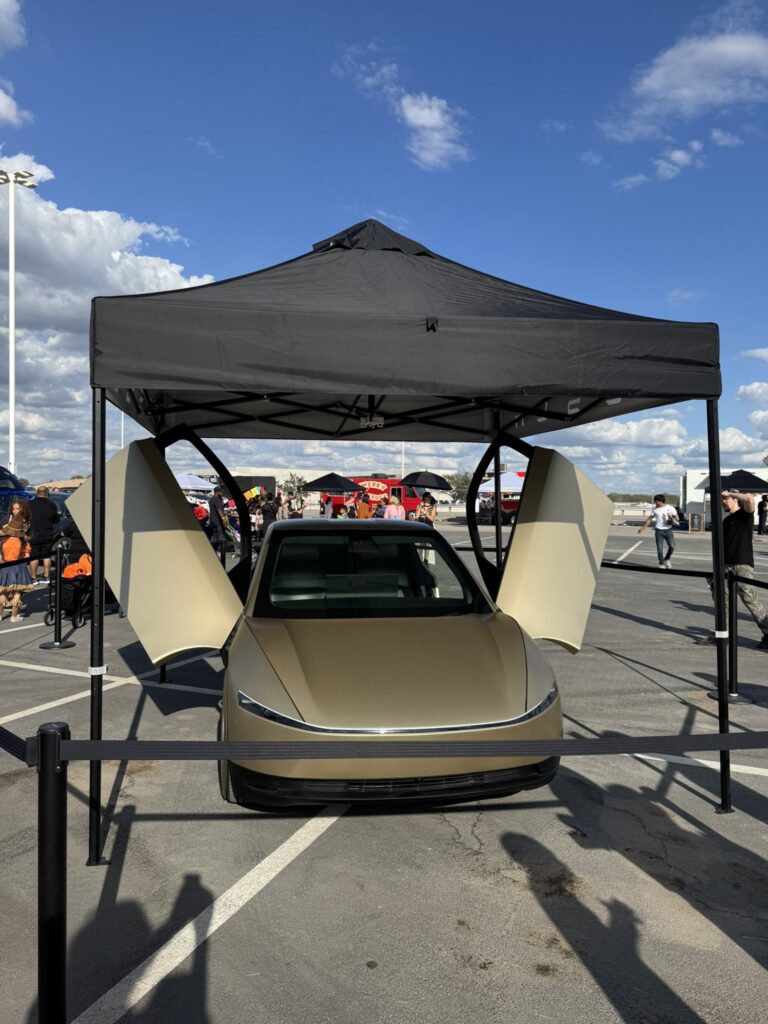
[738,527]
[44,516]
[269,513]
[216,519]
[762,514]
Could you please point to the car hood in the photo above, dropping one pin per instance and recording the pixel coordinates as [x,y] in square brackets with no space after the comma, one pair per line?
[398,673]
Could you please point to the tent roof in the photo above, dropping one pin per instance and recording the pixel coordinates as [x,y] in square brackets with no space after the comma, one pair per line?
[372,335]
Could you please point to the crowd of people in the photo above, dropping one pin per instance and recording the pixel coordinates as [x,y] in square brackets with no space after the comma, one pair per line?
[220,519]
[28,533]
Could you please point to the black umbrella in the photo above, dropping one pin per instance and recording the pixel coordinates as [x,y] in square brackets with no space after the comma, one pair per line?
[429,481]
[743,480]
[332,483]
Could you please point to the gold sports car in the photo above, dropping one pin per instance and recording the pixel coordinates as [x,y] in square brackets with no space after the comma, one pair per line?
[364,630]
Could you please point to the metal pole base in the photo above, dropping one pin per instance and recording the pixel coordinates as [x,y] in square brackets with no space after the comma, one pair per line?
[723,810]
[54,645]
[98,863]
[733,698]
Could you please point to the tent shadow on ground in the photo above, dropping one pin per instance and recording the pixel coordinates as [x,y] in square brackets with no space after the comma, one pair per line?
[608,951]
[118,937]
[756,692]
[719,879]
[663,627]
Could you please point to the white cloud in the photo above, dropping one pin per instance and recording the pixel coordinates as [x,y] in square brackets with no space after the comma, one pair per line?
[551,125]
[759,420]
[722,64]
[206,146]
[724,138]
[757,353]
[678,296]
[757,392]
[10,112]
[12,30]
[631,181]
[673,161]
[435,139]
[434,126]
[393,219]
[650,432]
[63,258]
[589,156]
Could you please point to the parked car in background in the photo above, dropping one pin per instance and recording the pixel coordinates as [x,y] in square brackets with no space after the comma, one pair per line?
[66,524]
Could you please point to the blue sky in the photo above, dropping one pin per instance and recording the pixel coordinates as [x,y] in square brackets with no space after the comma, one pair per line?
[610,152]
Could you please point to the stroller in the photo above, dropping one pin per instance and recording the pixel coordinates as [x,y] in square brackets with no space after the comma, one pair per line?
[76,587]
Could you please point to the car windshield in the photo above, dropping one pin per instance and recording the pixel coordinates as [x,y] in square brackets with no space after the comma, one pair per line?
[365,574]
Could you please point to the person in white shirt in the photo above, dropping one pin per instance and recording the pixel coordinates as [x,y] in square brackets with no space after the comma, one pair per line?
[664,519]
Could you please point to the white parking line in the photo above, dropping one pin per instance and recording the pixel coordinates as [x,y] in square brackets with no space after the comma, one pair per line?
[31,625]
[743,769]
[114,1004]
[627,552]
[111,683]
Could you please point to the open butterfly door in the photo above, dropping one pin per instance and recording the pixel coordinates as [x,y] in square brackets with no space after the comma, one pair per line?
[158,561]
[557,545]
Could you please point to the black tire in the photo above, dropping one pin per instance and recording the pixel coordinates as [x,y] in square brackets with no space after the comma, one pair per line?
[50,617]
[225,781]
[411,516]
[78,620]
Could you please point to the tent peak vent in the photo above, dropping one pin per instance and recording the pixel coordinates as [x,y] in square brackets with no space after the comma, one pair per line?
[372,234]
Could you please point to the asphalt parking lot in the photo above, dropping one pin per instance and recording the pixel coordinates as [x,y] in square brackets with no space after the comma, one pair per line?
[615,894]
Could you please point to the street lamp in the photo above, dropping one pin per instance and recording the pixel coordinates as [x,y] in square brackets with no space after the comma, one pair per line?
[11,179]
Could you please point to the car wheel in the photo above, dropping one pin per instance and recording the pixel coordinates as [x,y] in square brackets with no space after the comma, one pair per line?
[225,782]
[411,516]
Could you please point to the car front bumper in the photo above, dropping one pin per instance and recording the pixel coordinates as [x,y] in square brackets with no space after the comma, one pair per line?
[274,791]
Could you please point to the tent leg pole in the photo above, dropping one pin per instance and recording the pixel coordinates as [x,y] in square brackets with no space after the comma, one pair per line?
[97,617]
[718,575]
[497,495]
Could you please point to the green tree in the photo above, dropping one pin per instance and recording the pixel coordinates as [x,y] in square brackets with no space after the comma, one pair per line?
[293,482]
[459,485]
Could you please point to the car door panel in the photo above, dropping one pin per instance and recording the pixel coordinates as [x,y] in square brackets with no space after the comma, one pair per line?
[556,549]
[158,561]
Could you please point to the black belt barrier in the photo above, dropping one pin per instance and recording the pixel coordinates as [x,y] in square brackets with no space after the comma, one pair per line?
[181,750]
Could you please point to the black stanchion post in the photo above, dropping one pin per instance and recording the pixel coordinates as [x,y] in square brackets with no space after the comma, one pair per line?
[57,644]
[733,636]
[52,875]
[718,574]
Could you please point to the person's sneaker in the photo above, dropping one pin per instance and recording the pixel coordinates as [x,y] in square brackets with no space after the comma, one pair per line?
[662,565]
[667,564]
[763,642]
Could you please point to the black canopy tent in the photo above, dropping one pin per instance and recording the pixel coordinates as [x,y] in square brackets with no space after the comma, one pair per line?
[372,335]
[373,332]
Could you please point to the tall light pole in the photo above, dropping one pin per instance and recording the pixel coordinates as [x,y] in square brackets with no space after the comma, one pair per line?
[12,179]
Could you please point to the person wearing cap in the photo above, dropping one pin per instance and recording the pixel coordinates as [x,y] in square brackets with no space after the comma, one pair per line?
[44,515]
[14,579]
[738,527]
